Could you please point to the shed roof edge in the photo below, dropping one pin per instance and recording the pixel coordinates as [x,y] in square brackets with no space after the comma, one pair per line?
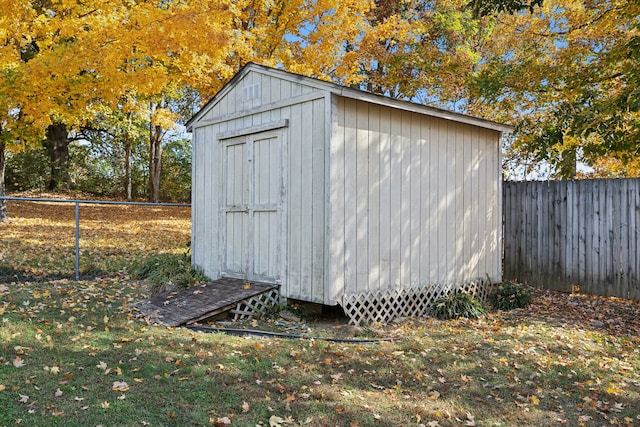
[353,94]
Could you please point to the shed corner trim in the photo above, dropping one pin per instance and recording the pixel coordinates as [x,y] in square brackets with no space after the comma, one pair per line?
[253,129]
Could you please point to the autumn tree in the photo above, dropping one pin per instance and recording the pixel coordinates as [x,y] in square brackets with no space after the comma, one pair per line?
[566,75]
[115,135]
[16,25]
[75,59]
[419,50]
[489,7]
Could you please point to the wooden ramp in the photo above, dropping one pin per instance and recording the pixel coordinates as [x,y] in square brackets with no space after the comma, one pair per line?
[243,299]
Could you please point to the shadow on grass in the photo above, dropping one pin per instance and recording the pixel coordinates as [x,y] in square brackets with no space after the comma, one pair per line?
[510,370]
[10,274]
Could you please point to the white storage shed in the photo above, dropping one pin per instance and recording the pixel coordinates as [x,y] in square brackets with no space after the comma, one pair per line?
[342,196]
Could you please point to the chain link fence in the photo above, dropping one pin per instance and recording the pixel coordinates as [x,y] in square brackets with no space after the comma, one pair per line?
[44,239]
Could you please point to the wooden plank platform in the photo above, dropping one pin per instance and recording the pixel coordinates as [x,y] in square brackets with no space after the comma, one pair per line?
[200,301]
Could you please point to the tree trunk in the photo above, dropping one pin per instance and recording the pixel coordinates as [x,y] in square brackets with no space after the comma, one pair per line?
[3,203]
[155,161]
[57,145]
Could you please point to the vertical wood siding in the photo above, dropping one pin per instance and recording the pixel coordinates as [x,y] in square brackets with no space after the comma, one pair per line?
[375,198]
[272,89]
[306,201]
[414,200]
[563,233]
[303,169]
[205,205]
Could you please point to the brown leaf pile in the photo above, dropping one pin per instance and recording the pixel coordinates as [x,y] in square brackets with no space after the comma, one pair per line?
[613,315]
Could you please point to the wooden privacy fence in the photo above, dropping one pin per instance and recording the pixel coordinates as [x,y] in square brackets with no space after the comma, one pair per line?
[559,234]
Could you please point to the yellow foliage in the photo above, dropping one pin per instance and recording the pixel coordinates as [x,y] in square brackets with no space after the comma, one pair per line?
[65,58]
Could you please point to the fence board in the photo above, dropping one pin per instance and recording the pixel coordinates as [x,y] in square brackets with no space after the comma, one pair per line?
[634,291]
[564,233]
[581,259]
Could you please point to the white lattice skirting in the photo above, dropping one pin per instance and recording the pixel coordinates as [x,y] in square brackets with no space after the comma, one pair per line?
[384,306]
[252,307]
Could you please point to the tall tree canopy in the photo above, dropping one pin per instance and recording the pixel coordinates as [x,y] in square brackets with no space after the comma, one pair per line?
[564,72]
[63,62]
[567,76]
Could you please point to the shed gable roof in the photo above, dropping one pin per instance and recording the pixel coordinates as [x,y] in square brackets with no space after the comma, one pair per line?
[347,93]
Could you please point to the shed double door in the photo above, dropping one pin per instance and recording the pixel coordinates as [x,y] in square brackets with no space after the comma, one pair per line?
[252,208]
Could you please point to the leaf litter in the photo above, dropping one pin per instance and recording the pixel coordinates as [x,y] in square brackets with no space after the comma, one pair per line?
[70,349]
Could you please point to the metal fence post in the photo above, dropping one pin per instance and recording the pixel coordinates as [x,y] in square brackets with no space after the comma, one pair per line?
[77,240]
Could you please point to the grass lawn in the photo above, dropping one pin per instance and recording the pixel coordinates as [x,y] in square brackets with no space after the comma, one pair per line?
[72,353]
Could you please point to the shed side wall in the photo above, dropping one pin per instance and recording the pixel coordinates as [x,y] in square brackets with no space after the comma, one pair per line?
[414,200]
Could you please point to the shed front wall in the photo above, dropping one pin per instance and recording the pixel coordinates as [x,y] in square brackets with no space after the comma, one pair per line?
[304,140]
[414,200]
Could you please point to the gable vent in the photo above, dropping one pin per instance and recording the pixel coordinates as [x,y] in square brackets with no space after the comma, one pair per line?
[251,92]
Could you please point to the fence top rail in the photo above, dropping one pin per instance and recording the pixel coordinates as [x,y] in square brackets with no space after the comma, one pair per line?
[91,202]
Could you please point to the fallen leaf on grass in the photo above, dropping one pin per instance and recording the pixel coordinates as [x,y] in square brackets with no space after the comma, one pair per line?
[23,398]
[120,386]
[617,407]
[470,421]
[276,421]
[433,395]
[245,407]
[220,422]
[18,362]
